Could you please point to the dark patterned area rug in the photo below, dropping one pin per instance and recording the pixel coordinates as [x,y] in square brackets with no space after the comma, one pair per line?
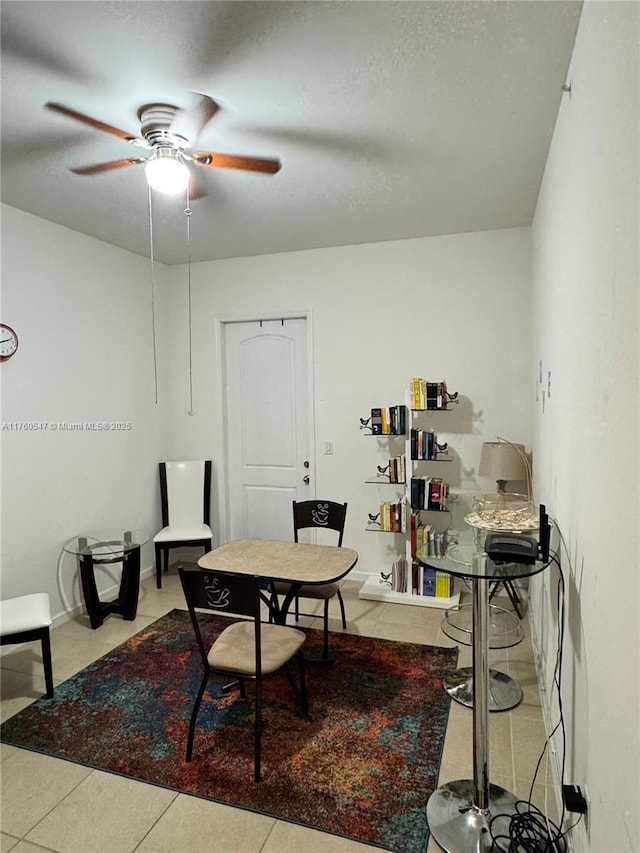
[363,768]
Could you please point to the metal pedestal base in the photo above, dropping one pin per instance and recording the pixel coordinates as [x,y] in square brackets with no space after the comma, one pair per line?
[504,692]
[459,826]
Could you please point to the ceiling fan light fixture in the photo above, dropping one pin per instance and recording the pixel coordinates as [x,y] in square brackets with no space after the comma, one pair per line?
[167,172]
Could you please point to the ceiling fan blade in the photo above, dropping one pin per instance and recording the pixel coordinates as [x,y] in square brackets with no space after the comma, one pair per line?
[107,167]
[99,125]
[266,165]
[190,122]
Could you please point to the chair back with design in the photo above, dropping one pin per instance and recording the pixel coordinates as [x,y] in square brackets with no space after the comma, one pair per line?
[224,593]
[321,514]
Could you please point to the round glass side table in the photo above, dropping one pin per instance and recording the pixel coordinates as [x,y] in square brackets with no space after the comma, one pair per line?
[103,547]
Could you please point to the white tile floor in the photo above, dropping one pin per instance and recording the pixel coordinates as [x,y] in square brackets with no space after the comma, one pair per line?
[53,805]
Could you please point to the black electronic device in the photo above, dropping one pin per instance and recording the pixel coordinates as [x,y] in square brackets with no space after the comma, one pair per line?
[511,548]
[544,534]
[519,548]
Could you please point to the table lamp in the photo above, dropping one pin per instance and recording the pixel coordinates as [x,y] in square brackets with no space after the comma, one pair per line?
[503,461]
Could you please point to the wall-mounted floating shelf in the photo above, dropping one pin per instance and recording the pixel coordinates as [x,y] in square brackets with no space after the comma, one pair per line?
[424,498]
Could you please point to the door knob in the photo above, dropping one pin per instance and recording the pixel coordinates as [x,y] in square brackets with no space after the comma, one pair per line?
[305,479]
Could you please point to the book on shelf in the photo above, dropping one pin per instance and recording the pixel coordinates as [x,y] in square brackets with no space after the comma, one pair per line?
[414,534]
[428,493]
[430,542]
[437,493]
[444,585]
[399,575]
[427,395]
[397,420]
[396,469]
[388,420]
[424,445]
[393,516]
[415,393]
[432,583]
[428,581]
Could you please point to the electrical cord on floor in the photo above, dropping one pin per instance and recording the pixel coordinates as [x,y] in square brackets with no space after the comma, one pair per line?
[529,830]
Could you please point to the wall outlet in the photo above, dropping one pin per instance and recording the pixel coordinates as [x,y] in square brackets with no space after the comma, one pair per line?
[574,799]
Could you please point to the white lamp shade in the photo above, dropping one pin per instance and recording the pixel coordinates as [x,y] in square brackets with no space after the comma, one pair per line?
[502,461]
[166,172]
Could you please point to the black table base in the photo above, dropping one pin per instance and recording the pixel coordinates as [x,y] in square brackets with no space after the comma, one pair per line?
[126,604]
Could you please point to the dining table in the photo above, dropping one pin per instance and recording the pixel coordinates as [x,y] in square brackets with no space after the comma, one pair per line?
[295,563]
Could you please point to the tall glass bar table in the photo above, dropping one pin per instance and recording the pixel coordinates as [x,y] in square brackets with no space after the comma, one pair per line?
[104,547]
[504,630]
[459,813]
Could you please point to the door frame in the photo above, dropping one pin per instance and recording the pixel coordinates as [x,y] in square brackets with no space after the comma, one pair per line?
[219,422]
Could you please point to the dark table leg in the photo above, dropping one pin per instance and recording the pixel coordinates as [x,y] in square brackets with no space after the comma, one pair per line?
[126,604]
[90,591]
[130,584]
[279,612]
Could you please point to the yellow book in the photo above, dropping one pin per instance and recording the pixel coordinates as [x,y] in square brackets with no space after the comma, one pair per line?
[415,392]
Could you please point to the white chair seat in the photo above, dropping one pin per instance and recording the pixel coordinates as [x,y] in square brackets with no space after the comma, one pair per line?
[174,534]
[27,619]
[25,613]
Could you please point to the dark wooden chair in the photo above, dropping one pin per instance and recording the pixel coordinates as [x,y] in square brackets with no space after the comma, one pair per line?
[326,515]
[185,494]
[248,649]
[27,618]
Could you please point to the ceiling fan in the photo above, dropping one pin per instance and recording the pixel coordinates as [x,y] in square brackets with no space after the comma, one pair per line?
[166,132]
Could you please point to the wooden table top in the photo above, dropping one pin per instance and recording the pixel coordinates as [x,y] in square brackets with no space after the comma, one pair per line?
[295,562]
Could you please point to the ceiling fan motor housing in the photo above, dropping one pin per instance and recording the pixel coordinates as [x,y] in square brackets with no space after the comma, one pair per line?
[155,125]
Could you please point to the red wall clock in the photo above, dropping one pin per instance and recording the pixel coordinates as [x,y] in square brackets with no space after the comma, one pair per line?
[8,342]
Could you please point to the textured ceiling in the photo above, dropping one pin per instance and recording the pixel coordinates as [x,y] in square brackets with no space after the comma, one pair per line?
[391,119]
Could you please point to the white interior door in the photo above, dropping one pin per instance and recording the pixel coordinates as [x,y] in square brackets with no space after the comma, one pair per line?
[267,425]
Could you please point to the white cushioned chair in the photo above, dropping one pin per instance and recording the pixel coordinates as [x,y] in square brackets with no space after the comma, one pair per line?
[185,493]
[25,619]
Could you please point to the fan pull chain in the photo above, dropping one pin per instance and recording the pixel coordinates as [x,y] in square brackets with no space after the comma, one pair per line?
[187,213]
[153,298]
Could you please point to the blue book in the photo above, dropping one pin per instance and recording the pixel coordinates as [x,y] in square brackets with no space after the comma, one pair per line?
[429,582]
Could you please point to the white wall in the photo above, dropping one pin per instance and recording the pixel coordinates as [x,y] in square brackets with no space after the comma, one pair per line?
[82,311]
[454,308]
[585,262]
[380,314]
